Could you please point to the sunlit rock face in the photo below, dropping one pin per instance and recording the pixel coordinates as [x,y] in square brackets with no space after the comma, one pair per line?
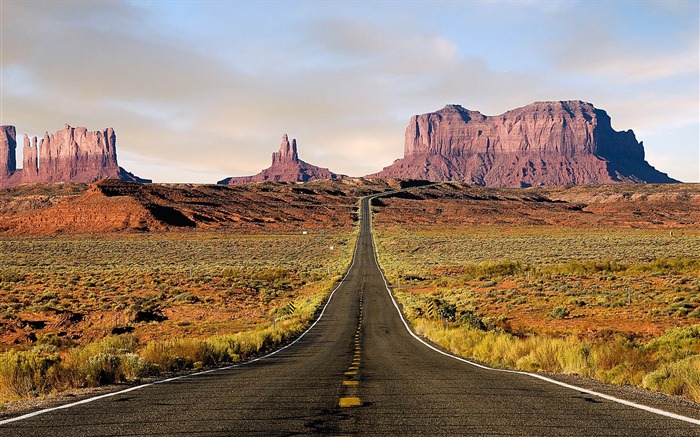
[73,154]
[545,143]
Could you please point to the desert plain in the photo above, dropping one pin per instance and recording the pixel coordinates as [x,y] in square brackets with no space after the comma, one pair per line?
[114,282]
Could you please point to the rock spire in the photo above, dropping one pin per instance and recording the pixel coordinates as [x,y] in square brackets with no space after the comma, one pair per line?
[8,144]
[286,167]
[287,152]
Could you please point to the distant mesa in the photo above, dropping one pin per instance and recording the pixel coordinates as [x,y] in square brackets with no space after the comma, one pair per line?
[541,144]
[69,155]
[286,167]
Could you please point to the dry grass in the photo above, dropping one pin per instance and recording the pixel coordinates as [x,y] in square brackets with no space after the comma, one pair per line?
[72,290]
[185,302]
[615,360]
[621,306]
[44,370]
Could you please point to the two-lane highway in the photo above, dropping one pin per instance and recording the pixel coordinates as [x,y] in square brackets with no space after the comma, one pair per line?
[358,371]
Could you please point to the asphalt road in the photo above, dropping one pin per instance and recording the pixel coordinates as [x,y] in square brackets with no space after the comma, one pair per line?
[358,372]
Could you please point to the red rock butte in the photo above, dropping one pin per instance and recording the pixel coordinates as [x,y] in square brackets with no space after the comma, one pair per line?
[545,143]
[69,155]
[286,167]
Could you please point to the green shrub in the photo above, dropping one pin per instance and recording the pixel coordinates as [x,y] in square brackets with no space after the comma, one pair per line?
[560,312]
[681,378]
[103,369]
[471,320]
[677,343]
[186,297]
[447,310]
[134,366]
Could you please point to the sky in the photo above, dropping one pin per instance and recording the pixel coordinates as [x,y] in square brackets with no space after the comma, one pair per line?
[200,91]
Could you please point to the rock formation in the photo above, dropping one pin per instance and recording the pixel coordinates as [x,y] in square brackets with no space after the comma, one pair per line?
[286,167]
[8,144]
[69,155]
[545,143]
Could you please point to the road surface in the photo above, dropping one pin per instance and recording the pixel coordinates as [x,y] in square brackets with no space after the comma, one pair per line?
[357,372]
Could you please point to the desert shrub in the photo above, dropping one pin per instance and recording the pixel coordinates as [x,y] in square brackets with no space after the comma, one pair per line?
[96,363]
[543,353]
[271,274]
[679,309]
[583,268]
[50,340]
[666,265]
[185,297]
[134,366]
[233,273]
[174,355]
[695,313]
[224,348]
[676,343]
[680,378]
[499,269]
[446,310]
[560,312]
[469,319]
[27,373]
[103,368]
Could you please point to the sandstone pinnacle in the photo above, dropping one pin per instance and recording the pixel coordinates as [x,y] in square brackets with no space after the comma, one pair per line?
[286,167]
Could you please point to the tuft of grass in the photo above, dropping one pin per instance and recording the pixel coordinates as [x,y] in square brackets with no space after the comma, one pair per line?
[28,373]
[681,378]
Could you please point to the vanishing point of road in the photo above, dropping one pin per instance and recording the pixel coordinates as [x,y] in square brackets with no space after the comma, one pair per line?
[357,372]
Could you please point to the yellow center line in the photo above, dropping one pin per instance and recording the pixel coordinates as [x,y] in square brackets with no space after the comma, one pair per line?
[349,402]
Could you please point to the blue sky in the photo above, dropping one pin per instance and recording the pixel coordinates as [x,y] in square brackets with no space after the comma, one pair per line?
[198,91]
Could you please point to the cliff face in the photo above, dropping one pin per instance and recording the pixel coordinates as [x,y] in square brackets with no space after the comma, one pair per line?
[69,155]
[8,144]
[286,167]
[545,143]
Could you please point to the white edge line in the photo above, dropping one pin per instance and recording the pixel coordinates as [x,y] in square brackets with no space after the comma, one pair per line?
[218,369]
[519,372]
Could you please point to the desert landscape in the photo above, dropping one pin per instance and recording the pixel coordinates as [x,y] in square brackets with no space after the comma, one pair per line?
[349,219]
[540,240]
[595,281]
[160,273]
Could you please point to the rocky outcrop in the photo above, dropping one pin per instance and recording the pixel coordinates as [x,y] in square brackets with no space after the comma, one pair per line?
[69,155]
[8,144]
[286,167]
[545,143]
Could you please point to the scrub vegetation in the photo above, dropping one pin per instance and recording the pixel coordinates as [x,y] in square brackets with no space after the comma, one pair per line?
[619,305]
[88,311]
